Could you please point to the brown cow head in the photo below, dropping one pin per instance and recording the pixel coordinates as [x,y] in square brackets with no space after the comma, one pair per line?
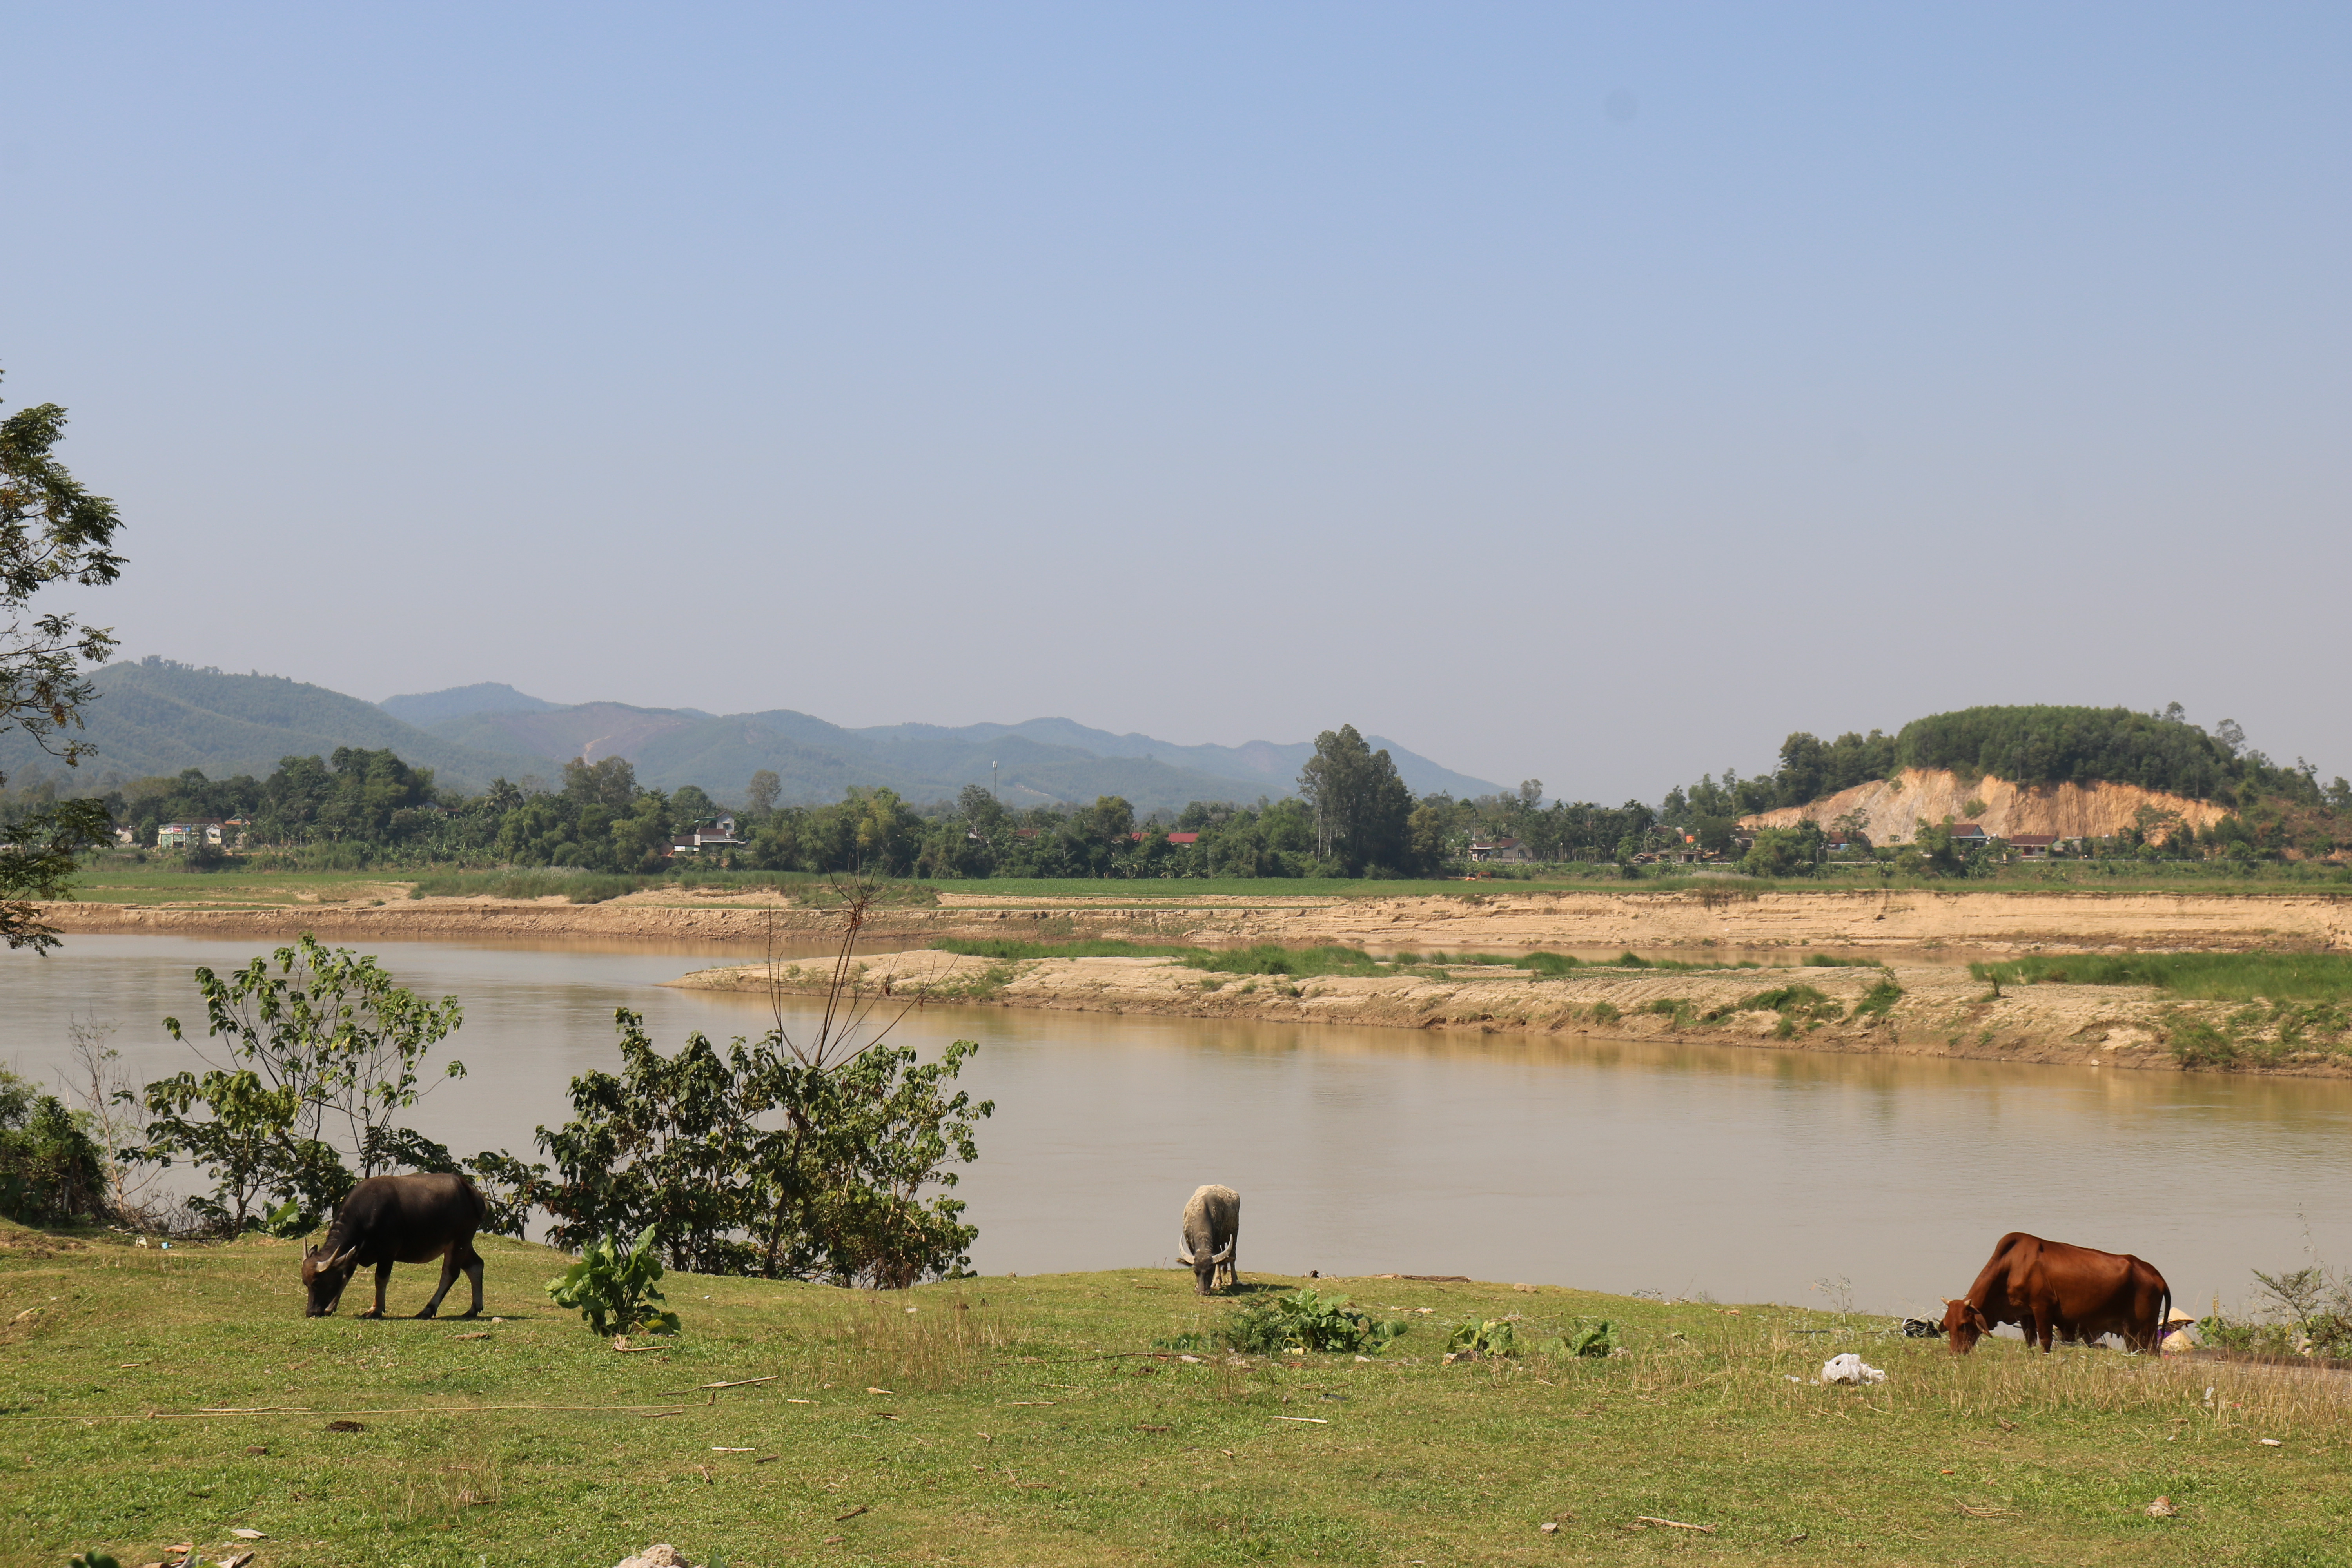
[1964,1325]
[325,1278]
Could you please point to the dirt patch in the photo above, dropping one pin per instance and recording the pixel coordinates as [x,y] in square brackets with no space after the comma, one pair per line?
[1891,809]
[1934,1010]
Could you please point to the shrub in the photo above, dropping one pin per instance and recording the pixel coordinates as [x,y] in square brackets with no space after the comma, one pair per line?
[615,1290]
[1592,1338]
[50,1171]
[1492,1337]
[1307,1321]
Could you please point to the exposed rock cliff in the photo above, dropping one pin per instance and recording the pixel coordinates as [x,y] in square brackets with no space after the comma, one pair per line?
[1891,809]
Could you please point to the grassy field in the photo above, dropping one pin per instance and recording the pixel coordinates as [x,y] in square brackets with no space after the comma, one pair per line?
[2192,976]
[154,1400]
[121,882]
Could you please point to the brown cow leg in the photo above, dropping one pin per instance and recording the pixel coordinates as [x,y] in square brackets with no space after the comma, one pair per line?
[2042,1327]
[383,1280]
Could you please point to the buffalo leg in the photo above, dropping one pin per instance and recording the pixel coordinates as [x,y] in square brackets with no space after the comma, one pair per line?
[449,1278]
[474,1276]
[383,1280]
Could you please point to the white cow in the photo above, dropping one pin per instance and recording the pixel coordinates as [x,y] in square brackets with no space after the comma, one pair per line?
[1212,1229]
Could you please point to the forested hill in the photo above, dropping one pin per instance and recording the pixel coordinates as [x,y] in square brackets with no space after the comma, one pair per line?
[2035,745]
[1037,762]
[159,717]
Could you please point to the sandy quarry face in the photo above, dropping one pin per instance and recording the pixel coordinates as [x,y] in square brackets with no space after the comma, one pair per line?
[1892,809]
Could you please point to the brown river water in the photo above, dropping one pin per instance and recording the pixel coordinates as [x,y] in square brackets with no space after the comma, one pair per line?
[1740,1175]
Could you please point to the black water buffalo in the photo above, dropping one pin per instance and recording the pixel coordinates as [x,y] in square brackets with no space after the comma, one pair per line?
[398,1219]
[1212,1230]
[2056,1288]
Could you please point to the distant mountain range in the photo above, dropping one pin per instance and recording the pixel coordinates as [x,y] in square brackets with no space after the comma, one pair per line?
[159,717]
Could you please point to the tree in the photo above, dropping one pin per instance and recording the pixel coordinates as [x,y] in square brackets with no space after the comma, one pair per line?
[328,1043]
[1361,806]
[50,1171]
[1932,851]
[52,529]
[796,1156]
[612,783]
[1783,851]
[762,791]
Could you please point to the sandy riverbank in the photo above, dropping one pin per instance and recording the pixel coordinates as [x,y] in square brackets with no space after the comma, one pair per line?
[1496,922]
[1941,1011]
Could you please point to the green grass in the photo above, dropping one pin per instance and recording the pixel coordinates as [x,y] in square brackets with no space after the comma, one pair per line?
[153,1401]
[122,882]
[1265,958]
[1273,958]
[2191,977]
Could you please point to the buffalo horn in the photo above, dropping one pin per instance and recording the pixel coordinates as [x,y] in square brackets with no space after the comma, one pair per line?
[345,1256]
[1227,1256]
[1185,1259]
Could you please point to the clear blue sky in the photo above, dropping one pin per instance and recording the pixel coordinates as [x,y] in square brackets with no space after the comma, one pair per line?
[1589,394]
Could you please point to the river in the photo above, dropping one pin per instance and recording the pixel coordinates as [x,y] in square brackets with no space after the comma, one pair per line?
[1741,1175]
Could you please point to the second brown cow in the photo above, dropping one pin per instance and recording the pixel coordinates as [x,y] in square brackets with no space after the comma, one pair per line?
[2055,1289]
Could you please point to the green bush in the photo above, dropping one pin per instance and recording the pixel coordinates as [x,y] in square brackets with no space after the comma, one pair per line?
[615,1292]
[50,1171]
[1304,1320]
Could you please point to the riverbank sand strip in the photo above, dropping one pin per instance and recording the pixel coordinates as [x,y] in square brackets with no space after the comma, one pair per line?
[1476,922]
[1942,1012]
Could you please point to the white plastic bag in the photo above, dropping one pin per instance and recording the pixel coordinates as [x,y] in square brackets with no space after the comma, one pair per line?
[1850,1368]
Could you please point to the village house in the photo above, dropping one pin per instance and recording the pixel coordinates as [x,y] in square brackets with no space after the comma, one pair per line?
[181,834]
[1502,852]
[719,833]
[1968,836]
[2033,846]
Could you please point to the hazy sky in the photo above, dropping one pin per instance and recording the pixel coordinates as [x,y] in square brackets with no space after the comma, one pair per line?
[1590,394]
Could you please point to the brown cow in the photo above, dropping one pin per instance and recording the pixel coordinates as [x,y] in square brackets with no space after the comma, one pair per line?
[2050,1288]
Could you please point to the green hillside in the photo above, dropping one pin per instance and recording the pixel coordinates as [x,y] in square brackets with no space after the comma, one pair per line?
[161,717]
[815,761]
[2028,745]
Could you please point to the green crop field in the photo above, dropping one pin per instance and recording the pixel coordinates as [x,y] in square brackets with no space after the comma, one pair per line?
[154,1400]
[116,882]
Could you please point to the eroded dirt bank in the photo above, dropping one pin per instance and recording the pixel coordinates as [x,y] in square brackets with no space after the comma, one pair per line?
[1900,1009]
[1483,921]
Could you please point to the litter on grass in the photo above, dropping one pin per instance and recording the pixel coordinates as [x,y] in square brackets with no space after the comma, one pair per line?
[1850,1368]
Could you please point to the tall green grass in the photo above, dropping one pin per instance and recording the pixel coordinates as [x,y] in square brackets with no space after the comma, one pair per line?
[2192,976]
